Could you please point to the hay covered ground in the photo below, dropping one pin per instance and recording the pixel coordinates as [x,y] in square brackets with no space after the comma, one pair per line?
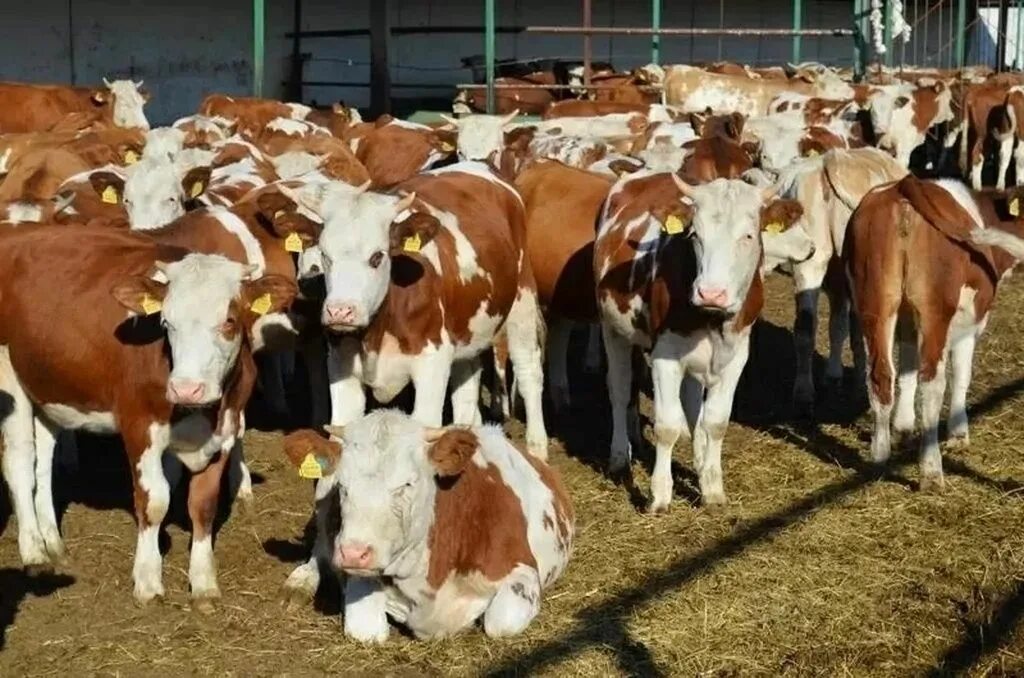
[819,566]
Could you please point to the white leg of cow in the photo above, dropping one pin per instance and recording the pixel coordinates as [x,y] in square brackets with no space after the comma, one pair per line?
[930,458]
[619,353]
[559,332]
[348,400]
[1018,156]
[962,354]
[669,420]
[804,331]
[880,388]
[465,398]
[714,420]
[976,168]
[150,479]
[46,442]
[304,580]
[430,374]
[19,458]
[525,350]
[592,362]
[1005,155]
[904,419]
[366,610]
[515,604]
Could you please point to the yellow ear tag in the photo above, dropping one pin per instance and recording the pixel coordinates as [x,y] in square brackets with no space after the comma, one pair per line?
[293,243]
[775,228]
[447,147]
[812,152]
[130,157]
[197,190]
[1015,207]
[150,305]
[109,195]
[310,468]
[261,305]
[412,243]
[673,225]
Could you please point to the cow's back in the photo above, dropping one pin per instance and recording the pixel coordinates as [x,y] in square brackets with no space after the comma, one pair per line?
[37,108]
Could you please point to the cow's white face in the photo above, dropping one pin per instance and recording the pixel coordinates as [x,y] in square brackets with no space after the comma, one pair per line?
[355,250]
[128,103]
[203,300]
[726,235]
[386,486]
[163,142]
[155,191]
[481,136]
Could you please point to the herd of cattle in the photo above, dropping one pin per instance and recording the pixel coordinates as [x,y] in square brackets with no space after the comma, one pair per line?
[192,263]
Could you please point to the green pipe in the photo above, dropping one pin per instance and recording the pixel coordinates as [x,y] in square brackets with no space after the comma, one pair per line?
[258,40]
[489,51]
[858,39]
[655,24]
[1020,33]
[798,13]
[887,32]
[961,37]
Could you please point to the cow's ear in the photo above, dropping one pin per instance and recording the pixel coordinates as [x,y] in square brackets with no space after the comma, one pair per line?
[282,213]
[413,233]
[140,294]
[675,217]
[100,97]
[698,120]
[195,182]
[622,166]
[734,125]
[268,294]
[450,449]
[901,102]
[779,215]
[144,93]
[109,186]
[313,454]
[445,140]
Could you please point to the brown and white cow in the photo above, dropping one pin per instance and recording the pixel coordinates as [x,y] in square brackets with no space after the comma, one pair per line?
[38,108]
[160,354]
[678,272]
[919,279]
[439,527]
[395,150]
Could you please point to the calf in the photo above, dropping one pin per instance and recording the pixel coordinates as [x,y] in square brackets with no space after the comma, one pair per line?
[678,271]
[37,108]
[439,527]
[397,150]
[172,376]
[918,277]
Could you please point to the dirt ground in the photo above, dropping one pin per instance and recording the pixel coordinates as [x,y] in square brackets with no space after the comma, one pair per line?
[820,565]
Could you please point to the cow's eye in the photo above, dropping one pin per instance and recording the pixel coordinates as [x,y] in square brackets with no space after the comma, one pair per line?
[376,258]
[229,326]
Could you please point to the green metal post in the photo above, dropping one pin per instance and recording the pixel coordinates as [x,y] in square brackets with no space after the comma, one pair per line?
[887,32]
[961,31]
[858,39]
[798,17]
[489,51]
[655,24]
[258,40]
[1020,34]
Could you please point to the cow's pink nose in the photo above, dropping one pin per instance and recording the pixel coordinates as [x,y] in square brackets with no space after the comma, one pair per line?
[343,314]
[712,296]
[356,555]
[186,392]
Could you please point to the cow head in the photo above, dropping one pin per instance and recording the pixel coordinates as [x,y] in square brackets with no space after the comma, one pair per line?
[153,191]
[725,229]
[387,480]
[126,99]
[163,142]
[783,237]
[480,137]
[207,304]
[363,231]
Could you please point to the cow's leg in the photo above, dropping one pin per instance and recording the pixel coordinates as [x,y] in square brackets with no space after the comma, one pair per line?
[271,377]
[712,424]
[933,351]
[525,331]
[515,604]
[465,398]
[559,332]
[878,339]
[619,353]
[430,374]
[962,354]
[804,331]
[502,401]
[19,459]
[366,610]
[348,401]
[1018,157]
[669,419]
[46,442]
[304,580]
[145,445]
[203,493]
[1005,155]
[592,361]
[314,355]
[904,419]
[238,471]
[977,161]
[838,331]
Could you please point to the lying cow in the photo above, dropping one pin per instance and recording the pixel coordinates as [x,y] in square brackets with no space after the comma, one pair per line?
[37,108]
[439,527]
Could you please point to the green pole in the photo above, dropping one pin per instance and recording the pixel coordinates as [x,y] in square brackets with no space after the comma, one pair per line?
[961,25]
[489,51]
[655,24]
[887,32]
[258,38]
[798,13]
[1020,33]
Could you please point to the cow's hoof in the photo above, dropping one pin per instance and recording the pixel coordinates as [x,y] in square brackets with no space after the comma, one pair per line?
[658,506]
[714,500]
[205,604]
[958,441]
[39,569]
[933,483]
